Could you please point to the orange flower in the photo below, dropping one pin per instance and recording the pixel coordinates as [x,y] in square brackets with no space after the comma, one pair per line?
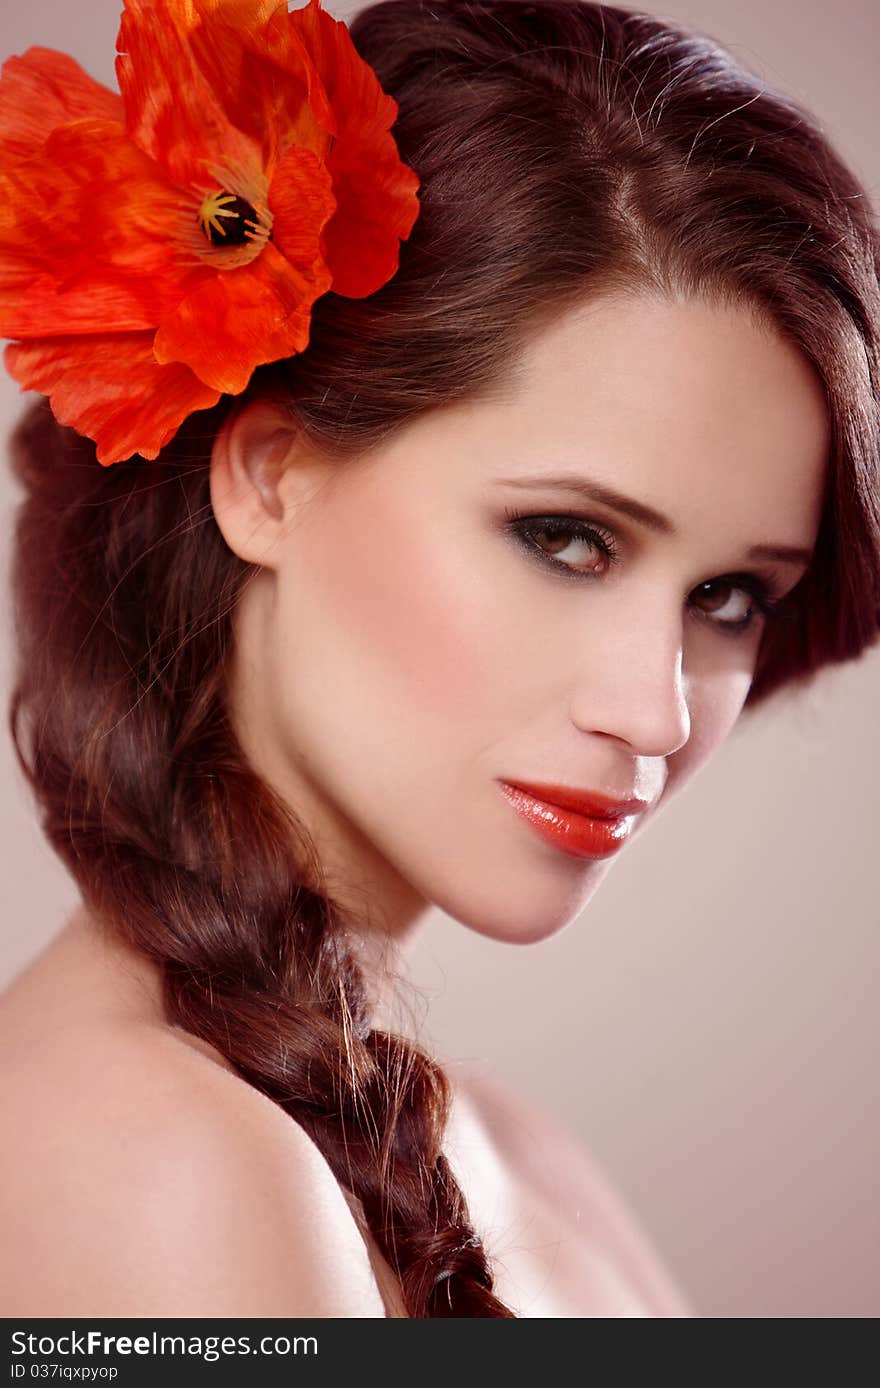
[158,245]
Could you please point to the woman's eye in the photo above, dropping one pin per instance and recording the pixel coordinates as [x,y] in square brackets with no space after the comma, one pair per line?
[724,597]
[579,549]
[571,542]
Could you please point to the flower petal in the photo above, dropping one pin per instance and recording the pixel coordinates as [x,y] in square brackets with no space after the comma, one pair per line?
[301,201]
[375,191]
[112,389]
[247,15]
[87,238]
[235,320]
[172,113]
[377,209]
[256,64]
[41,90]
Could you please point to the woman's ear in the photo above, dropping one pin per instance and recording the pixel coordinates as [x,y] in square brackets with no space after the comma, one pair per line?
[256,481]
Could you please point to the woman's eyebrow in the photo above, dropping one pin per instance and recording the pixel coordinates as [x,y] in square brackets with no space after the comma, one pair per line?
[590,490]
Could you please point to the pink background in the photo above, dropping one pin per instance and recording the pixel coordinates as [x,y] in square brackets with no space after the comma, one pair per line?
[709,1025]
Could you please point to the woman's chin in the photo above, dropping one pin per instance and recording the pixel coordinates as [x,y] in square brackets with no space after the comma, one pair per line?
[525,909]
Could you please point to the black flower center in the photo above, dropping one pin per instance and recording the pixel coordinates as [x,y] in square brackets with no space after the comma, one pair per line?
[226,219]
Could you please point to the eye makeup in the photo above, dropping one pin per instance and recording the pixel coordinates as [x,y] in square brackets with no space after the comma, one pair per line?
[767,596]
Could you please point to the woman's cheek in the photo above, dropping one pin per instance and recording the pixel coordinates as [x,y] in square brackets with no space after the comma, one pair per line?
[400,616]
[714,704]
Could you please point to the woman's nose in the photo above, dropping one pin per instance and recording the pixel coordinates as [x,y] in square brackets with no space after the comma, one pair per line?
[631,683]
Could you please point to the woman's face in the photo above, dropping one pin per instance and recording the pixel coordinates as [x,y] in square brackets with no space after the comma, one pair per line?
[404,650]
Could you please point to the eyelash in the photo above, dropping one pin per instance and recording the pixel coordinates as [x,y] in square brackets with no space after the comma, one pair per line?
[520,524]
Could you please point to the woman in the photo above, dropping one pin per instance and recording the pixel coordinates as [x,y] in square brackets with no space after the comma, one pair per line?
[590,473]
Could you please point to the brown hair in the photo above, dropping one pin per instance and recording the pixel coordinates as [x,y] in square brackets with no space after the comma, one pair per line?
[563,148]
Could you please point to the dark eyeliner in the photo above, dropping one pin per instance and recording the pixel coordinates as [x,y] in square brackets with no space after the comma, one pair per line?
[520,523]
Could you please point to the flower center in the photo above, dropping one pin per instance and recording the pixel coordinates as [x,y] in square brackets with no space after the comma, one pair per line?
[227,220]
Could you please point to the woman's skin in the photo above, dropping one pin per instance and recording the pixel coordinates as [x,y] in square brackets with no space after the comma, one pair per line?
[397,653]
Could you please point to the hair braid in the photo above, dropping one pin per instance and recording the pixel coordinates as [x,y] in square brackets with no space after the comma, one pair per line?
[175,840]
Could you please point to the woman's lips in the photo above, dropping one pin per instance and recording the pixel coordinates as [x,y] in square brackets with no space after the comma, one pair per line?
[583,836]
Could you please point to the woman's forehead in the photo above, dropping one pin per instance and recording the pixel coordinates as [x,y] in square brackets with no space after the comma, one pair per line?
[687,406]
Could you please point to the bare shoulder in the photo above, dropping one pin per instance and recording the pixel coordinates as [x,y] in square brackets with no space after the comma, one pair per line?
[138,1177]
[559,1168]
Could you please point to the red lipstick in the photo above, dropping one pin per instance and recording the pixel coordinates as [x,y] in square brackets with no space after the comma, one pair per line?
[583,823]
